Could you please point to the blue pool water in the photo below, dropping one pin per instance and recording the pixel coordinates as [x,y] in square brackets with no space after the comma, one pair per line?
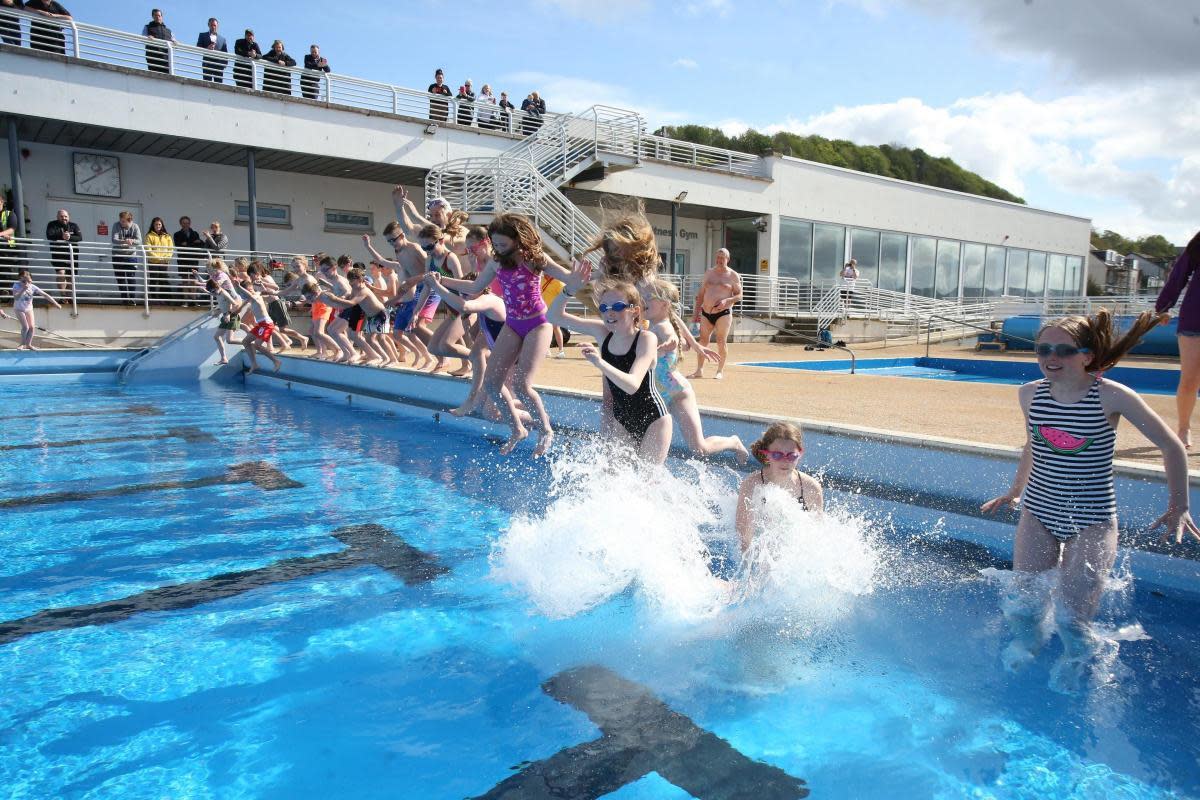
[978,370]
[319,681]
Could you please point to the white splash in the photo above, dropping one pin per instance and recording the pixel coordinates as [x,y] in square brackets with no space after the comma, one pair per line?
[614,525]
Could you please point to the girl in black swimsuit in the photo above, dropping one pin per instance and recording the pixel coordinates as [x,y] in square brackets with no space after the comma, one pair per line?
[778,451]
[633,409]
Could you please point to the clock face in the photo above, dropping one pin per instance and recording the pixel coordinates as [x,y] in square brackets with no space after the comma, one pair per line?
[97,175]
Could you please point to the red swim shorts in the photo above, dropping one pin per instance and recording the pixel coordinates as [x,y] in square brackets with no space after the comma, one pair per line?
[263,331]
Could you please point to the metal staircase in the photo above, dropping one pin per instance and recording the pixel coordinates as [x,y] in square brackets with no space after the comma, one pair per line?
[526,178]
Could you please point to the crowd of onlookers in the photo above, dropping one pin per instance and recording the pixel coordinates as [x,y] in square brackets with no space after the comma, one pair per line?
[484,108]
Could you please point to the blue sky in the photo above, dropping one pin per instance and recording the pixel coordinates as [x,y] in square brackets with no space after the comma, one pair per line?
[1055,101]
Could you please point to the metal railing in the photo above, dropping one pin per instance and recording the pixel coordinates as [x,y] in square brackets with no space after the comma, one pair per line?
[960,323]
[100,273]
[134,51]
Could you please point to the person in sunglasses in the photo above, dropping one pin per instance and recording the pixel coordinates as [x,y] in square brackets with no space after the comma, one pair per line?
[632,408]
[440,260]
[778,451]
[1064,482]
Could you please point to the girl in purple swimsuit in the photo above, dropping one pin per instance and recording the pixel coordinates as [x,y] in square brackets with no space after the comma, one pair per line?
[525,339]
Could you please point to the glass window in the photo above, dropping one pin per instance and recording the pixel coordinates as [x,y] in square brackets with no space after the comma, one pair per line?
[359,221]
[993,280]
[947,269]
[1056,275]
[1074,282]
[923,259]
[893,261]
[268,213]
[829,252]
[974,258]
[1035,285]
[864,248]
[1018,266]
[795,249]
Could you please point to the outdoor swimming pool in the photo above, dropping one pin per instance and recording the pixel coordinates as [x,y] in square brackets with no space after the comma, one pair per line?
[977,370]
[360,643]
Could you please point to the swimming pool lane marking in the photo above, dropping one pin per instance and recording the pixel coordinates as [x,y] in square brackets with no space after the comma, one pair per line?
[263,475]
[188,433]
[640,734]
[139,410]
[366,545]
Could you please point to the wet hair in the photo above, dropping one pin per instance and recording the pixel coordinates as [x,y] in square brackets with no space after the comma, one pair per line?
[1099,335]
[431,232]
[354,274]
[630,252]
[522,232]
[628,292]
[456,222]
[344,259]
[788,431]
[477,232]
[391,228]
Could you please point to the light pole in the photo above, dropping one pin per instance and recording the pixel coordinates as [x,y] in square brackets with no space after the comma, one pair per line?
[679,198]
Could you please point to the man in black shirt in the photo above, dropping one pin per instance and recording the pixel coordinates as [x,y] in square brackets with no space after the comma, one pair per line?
[157,59]
[243,73]
[318,63]
[506,109]
[46,36]
[62,234]
[275,80]
[439,109]
[189,250]
[10,24]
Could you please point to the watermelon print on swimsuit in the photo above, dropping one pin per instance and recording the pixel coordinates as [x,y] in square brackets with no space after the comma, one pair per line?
[1060,441]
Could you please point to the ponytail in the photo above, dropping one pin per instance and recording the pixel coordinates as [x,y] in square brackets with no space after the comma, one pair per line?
[1098,334]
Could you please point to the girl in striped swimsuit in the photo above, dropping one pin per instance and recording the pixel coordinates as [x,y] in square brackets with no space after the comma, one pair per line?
[1068,517]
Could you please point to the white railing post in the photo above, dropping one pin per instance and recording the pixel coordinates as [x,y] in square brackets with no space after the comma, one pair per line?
[145,280]
[170,58]
[74,37]
[329,91]
[74,282]
[395,101]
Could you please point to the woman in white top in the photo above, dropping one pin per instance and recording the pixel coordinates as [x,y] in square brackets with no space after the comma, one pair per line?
[24,291]
[486,108]
[850,271]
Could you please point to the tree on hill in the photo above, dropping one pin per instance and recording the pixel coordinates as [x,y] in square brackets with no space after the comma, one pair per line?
[889,160]
[1153,246]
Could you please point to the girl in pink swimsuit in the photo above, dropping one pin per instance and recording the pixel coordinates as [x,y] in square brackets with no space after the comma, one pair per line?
[525,338]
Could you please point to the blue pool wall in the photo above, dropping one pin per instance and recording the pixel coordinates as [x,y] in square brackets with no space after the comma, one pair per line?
[943,479]
[1160,341]
[68,365]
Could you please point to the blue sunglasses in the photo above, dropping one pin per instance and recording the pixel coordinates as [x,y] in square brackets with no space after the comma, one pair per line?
[617,307]
[1060,350]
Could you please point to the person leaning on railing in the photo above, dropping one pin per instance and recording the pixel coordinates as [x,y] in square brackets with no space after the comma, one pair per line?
[126,236]
[10,24]
[63,235]
[157,55]
[189,250]
[160,246]
[439,109]
[466,102]
[46,36]
[243,73]
[314,62]
[278,81]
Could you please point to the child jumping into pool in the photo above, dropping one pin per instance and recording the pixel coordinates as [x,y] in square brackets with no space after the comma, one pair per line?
[632,410]
[1068,517]
[24,291]
[778,452]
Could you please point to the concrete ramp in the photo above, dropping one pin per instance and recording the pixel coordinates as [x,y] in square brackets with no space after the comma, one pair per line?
[185,354]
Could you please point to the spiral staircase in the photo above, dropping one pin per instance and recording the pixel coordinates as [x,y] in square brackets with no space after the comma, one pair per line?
[527,177]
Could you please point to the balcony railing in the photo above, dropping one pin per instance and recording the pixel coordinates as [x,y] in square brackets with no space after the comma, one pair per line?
[134,51]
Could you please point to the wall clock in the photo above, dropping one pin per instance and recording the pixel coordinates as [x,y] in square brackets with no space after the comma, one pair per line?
[97,174]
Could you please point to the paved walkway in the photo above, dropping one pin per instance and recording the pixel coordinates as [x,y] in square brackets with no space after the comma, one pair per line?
[977,412]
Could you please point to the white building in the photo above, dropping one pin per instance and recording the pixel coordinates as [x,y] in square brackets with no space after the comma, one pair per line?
[172,144]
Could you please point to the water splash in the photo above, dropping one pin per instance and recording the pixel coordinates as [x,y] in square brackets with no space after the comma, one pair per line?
[613,525]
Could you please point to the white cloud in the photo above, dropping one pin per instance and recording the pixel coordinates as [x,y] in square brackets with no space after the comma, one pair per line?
[565,94]
[1142,168]
[685,63]
[732,126]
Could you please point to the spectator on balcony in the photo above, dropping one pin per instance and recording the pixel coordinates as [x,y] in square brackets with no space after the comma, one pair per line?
[315,62]
[10,250]
[506,109]
[486,108]
[46,36]
[63,236]
[126,236]
[439,110]
[276,80]
[189,250]
[214,66]
[534,108]
[246,47]
[158,57]
[10,24]
[466,102]
[160,246]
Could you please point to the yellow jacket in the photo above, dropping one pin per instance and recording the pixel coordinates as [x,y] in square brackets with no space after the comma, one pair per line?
[159,247]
